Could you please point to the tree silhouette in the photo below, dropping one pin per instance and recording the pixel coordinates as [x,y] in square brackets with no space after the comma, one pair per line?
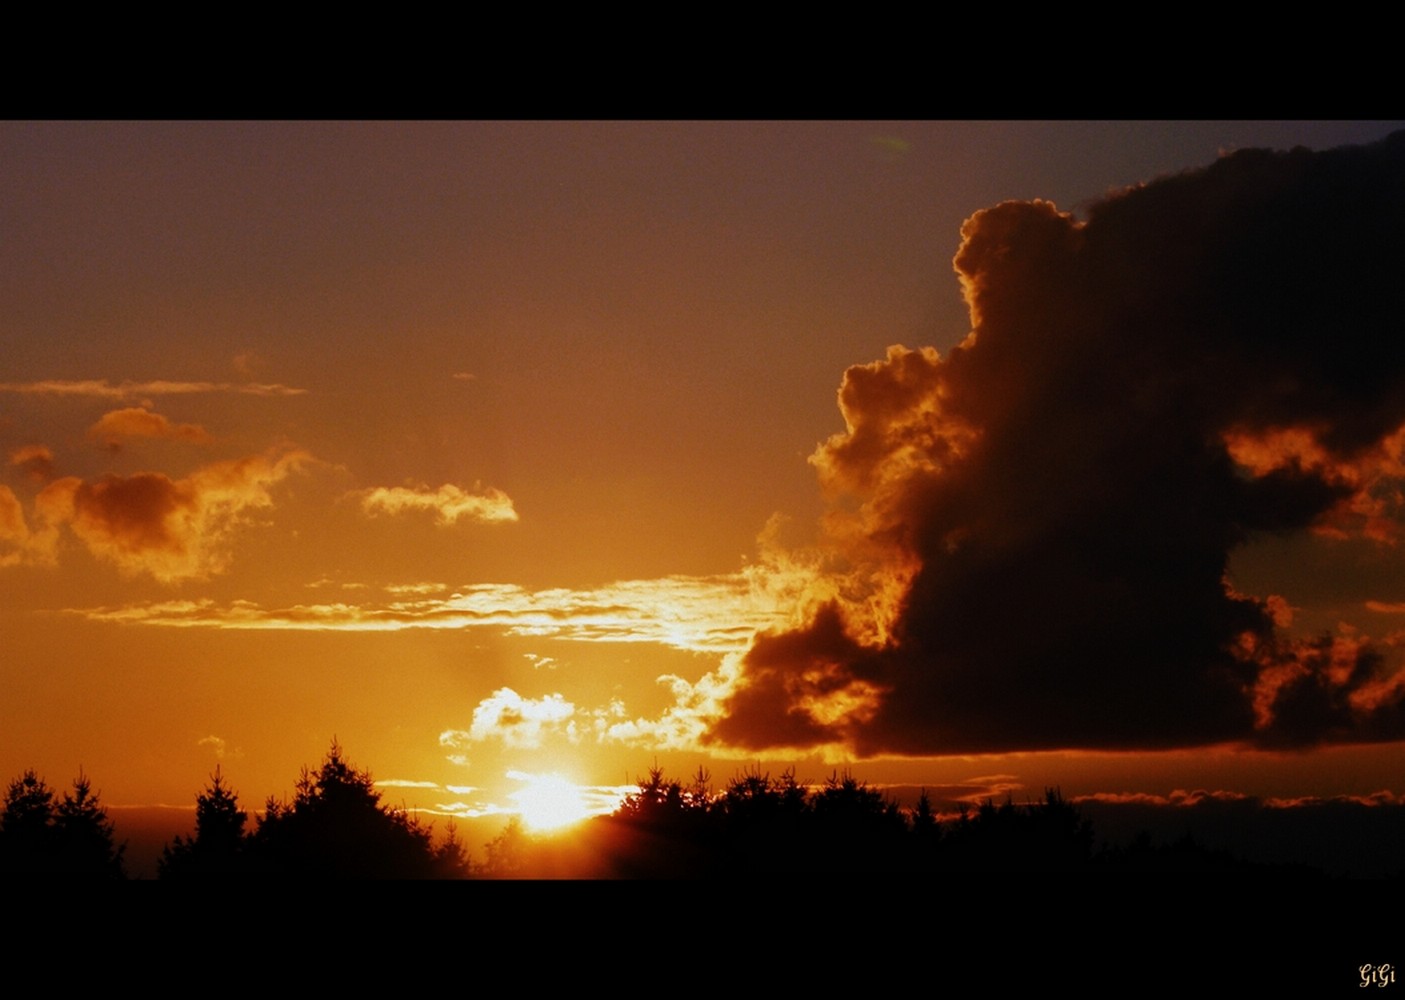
[85,834]
[507,852]
[336,827]
[218,845]
[26,827]
[71,839]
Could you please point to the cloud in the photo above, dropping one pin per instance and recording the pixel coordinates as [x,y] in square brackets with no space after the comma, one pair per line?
[171,529]
[516,721]
[115,426]
[449,503]
[21,544]
[715,614]
[683,725]
[1030,536]
[36,460]
[104,389]
[14,532]
[220,746]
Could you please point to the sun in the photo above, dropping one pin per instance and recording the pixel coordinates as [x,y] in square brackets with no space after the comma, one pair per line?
[548,801]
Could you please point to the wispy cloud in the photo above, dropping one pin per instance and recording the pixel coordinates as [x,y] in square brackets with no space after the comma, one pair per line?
[701,613]
[449,503]
[102,388]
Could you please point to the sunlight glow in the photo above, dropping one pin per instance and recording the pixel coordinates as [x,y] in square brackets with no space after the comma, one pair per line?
[548,801]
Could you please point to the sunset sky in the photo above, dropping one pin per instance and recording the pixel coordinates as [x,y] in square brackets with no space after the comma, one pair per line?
[490,448]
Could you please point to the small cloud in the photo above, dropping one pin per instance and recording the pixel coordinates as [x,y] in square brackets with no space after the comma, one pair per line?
[114,427]
[518,722]
[541,661]
[449,503]
[464,376]
[415,588]
[220,746]
[36,460]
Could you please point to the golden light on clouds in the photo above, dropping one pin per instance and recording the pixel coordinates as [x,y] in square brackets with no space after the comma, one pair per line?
[136,422]
[455,439]
[703,614]
[448,503]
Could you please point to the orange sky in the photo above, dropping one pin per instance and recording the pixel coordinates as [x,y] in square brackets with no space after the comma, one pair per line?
[488,447]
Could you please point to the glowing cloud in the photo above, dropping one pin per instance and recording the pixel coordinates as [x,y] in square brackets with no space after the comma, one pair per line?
[516,721]
[114,427]
[703,614]
[449,503]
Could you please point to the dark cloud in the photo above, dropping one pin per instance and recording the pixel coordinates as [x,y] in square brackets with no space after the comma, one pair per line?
[1036,528]
[171,529]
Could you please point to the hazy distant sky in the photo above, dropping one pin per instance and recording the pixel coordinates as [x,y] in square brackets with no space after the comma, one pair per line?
[487,447]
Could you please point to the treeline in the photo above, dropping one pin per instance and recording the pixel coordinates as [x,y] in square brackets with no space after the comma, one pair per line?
[336,827]
[42,836]
[760,826]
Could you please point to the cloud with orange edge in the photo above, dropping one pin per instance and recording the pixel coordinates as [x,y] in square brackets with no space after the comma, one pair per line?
[1030,537]
[14,532]
[116,426]
[516,721]
[449,503]
[169,529]
[706,614]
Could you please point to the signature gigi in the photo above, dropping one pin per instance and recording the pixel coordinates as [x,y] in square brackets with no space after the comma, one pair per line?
[1377,975]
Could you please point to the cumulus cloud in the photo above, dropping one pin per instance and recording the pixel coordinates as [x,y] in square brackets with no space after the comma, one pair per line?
[448,503]
[104,389]
[171,529]
[114,427]
[1031,535]
[516,721]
